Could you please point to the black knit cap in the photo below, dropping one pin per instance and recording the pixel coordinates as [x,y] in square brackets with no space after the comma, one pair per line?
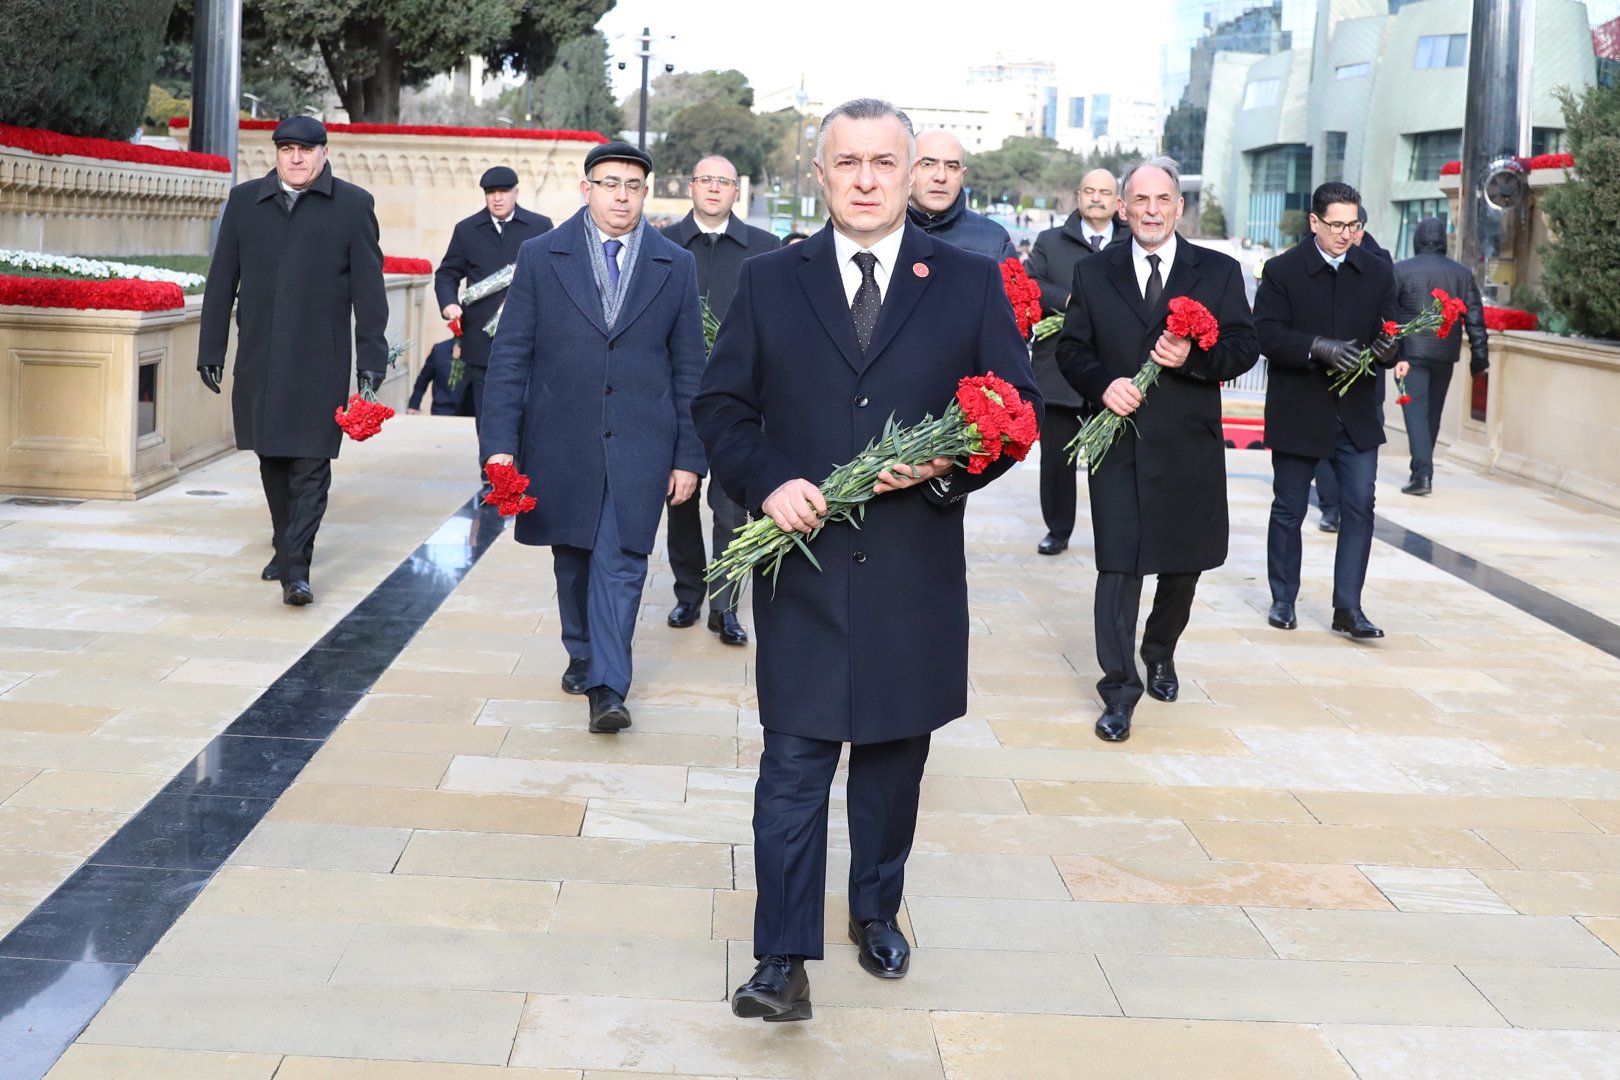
[303,130]
[617,151]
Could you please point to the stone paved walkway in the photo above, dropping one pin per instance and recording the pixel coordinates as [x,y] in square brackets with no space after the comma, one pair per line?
[1391,861]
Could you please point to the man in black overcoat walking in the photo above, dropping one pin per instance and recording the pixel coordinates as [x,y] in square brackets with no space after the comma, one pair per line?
[824,342]
[719,241]
[1091,228]
[298,256]
[1316,305]
[1158,499]
[481,245]
[448,400]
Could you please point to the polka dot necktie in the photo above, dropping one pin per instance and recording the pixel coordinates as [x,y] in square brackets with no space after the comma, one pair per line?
[868,300]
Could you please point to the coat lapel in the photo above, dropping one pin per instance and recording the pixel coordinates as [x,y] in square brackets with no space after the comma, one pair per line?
[906,287]
[824,285]
[573,268]
[652,270]
[1122,274]
[1183,276]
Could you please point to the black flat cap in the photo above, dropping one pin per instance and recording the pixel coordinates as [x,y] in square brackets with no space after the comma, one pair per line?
[617,151]
[304,130]
[498,177]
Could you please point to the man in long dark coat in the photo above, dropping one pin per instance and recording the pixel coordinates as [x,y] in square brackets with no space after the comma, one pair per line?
[1158,499]
[1089,229]
[868,318]
[590,391]
[297,255]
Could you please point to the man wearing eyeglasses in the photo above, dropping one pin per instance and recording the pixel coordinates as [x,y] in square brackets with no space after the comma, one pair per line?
[1316,305]
[589,393]
[719,241]
[939,202]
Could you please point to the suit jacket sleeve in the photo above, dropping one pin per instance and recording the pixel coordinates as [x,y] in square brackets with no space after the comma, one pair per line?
[219,295]
[452,269]
[1479,341]
[369,292]
[1007,249]
[511,361]
[1077,346]
[1238,346]
[1284,346]
[1389,307]
[687,356]
[1054,294]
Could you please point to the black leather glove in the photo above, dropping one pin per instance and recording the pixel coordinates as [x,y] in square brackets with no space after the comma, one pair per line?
[1335,355]
[1385,349]
[370,381]
[1478,366]
[211,375]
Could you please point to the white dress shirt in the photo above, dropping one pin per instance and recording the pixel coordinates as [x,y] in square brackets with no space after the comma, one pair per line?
[500,222]
[1087,232]
[1167,259]
[603,238]
[716,230]
[1334,261]
[887,251]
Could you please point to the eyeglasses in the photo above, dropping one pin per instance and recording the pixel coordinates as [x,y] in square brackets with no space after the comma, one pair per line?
[929,164]
[1337,227]
[714,181]
[613,183]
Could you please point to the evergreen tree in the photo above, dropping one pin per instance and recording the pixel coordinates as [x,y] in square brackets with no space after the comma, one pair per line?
[79,67]
[1582,261]
[574,94]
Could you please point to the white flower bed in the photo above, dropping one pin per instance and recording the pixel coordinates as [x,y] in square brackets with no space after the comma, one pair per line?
[95,268]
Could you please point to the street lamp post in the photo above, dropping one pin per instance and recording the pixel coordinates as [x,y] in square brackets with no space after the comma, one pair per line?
[646,57]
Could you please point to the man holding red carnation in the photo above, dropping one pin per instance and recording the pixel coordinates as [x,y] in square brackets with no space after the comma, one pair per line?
[1158,503]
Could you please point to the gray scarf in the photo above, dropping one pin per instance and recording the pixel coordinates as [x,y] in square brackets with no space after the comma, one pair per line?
[612,298]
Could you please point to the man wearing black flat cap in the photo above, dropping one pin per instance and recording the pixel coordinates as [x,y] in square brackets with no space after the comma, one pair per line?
[480,246]
[589,392]
[298,257]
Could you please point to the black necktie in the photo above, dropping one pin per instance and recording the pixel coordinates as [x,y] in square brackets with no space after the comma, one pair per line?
[867,299]
[1096,241]
[1155,283]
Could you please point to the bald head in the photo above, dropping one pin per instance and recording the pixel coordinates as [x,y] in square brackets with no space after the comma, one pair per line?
[714,189]
[936,178]
[1098,198]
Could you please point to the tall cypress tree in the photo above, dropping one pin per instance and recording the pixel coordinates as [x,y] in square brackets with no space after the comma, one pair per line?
[1582,262]
[80,67]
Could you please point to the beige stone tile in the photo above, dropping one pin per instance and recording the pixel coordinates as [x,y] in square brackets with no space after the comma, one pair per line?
[307,1068]
[302,846]
[461,661]
[128,693]
[12,780]
[473,684]
[464,811]
[1029,764]
[1442,811]
[260,1016]
[1607,930]
[632,747]
[566,779]
[391,899]
[1152,801]
[1147,738]
[1545,892]
[1042,834]
[51,717]
[1437,1053]
[228,672]
[233,947]
[594,908]
[417,709]
[375,768]
[514,623]
[649,719]
[1551,997]
[1400,937]
[1298,716]
[969,795]
[64,832]
[279,629]
[118,793]
[943,922]
[1421,888]
[1557,851]
[559,858]
[949,873]
[1604,813]
[11,915]
[706,820]
[1171,881]
[1388,845]
[417,738]
[991,1046]
[27,877]
[636,962]
[84,1061]
[734,917]
[1280,769]
[687,1036]
[1559,753]
[1297,991]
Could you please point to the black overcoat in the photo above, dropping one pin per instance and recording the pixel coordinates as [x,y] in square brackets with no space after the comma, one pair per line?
[296,281]
[1051,266]
[874,646]
[476,251]
[720,257]
[1299,299]
[1158,500]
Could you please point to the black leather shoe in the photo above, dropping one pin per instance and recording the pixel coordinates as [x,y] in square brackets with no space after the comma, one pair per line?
[271,572]
[1162,683]
[684,614]
[1282,616]
[1053,545]
[1329,523]
[779,991]
[1418,485]
[1114,725]
[608,713]
[883,949]
[726,625]
[1351,621]
[297,593]
[573,680]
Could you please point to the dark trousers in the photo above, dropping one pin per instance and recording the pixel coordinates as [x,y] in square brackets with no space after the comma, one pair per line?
[1326,489]
[1118,598]
[475,393]
[598,596]
[1356,470]
[790,835]
[684,532]
[1058,429]
[295,489]
[1427,383]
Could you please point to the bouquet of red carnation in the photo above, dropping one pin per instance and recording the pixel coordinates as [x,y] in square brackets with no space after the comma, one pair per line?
[1400,388]
[363,416]
[1187,319]
[507,487]
[1440,316]
[986,419]
[1022,293]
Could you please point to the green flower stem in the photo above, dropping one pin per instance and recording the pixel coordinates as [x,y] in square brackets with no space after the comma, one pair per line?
[1047,327]
[1429,318]
[1103,430]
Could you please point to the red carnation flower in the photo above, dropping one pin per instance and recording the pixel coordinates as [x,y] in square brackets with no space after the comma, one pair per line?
[455,326]
[1404,399]
[363,418]
[1451,309]
[1192,320]
[1392,328]
[507,487]
[1022,293]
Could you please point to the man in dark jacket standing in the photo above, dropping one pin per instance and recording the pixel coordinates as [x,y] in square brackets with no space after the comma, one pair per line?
[481,245]
[1428,359]
[1158,500]
[939,205]
[719,241]
[447,401]
[1089,229]
[298,256]
[1316,304]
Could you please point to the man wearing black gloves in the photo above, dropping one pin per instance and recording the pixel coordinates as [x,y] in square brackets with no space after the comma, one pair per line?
[1316,305]
[1430,358]
[298,256]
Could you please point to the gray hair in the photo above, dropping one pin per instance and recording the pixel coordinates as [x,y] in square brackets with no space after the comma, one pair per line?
[867,109]
[1168,165]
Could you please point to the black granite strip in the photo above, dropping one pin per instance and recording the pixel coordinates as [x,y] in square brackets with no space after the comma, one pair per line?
[60,964]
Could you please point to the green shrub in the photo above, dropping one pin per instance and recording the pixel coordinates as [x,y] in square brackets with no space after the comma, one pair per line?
[1582,261]
[80,67]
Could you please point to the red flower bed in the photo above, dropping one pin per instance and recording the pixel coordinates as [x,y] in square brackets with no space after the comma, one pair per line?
[1540,161]
[1500,318]
[51,144]
[399,264]
[117,295]
[426,129]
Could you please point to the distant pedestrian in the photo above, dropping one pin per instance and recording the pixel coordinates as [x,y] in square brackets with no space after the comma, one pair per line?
[448,400]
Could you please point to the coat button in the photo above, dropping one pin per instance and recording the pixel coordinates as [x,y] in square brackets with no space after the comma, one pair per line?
[607,434]
[860,556]
[614,344]
[607,389]
[861,401]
